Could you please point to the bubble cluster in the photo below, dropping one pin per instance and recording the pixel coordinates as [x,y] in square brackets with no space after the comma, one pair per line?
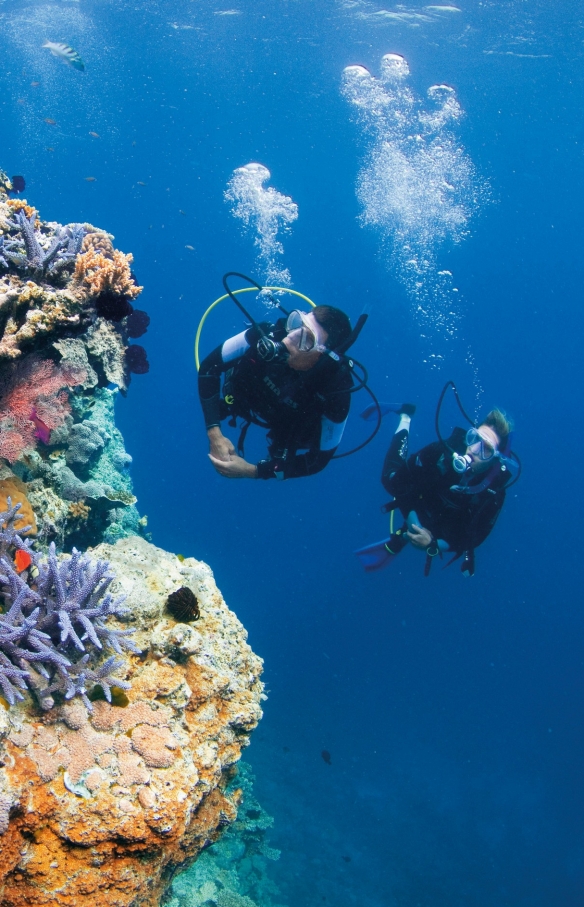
[417,187]
[265,212]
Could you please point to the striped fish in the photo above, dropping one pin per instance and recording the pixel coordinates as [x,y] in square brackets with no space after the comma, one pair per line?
[65,53]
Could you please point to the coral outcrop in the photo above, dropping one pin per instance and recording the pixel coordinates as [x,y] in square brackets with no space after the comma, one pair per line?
[66,320]
[102,806]
[127,687]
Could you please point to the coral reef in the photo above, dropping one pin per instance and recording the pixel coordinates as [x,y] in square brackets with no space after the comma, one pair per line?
[102,269]
[234,872]
[65,322]
[104,805]
[53,611]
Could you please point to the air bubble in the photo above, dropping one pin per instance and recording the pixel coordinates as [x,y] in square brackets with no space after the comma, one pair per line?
[267,214]
[418,187]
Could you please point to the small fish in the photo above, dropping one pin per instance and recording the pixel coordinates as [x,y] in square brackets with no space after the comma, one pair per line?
[180,211]
[89,179]
[49,148]
[50,121]
[42,431]
[35,84]
[65,53]
[327,757]
[95,135]
[140,183]
[192,248]
[18,184]
[20,101]
[22,560]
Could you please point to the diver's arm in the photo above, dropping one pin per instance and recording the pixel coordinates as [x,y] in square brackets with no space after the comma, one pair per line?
[234,467]
[222,358]
[210,387]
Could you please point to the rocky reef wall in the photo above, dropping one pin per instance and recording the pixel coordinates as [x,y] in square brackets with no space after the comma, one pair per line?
[127,687]
[67,325]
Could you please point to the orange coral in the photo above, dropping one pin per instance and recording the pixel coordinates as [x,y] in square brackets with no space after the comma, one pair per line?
[100,273]
[18,204]
[98,242]
[14,489]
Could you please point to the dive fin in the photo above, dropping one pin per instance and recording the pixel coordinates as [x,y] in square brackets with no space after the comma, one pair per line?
[376,556]
[370,412]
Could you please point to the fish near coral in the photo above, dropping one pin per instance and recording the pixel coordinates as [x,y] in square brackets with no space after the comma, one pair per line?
[65,53]
[18,185]
[22,560]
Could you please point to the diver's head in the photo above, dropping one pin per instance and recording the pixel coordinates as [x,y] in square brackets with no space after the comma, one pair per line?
[310,334]
[484,443]
[482,446]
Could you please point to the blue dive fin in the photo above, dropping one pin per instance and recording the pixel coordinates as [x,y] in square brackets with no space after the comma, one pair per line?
[370,412]
[376,556]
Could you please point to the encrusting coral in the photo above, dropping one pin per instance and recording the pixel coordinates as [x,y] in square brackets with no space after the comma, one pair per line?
[103,806]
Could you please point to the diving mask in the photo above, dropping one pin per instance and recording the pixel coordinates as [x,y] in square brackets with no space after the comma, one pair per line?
[478,447]
[307,339]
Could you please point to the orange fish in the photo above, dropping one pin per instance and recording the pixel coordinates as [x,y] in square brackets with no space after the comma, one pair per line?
[50,121]
[95,135]
[90,179]
[22,560]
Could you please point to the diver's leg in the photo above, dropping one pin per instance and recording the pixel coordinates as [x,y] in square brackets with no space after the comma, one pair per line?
[397,453]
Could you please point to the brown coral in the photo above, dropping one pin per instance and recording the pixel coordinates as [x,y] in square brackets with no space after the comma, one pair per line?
[98,273]
[78,510]
[98,242]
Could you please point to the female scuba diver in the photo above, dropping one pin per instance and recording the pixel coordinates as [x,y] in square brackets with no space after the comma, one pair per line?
[450,493]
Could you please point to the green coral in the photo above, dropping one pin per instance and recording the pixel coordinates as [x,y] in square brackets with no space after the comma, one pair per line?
[234,871]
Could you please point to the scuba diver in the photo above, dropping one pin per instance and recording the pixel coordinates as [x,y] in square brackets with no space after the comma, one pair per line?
[450,493]
[288,377]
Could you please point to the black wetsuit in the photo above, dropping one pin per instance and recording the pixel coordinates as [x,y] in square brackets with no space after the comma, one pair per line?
[423,481]
[305,412]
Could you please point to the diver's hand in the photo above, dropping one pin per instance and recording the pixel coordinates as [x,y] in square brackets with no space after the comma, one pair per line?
[220,447]
[419,537]
[235,467]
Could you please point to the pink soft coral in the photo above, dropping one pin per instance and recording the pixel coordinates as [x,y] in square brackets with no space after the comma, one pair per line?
[33,402]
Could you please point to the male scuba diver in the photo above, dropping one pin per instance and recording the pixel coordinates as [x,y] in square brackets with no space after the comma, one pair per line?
[281,377]
[450,493]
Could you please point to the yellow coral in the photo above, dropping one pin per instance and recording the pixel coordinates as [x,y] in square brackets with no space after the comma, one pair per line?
[18,204]
[99,273]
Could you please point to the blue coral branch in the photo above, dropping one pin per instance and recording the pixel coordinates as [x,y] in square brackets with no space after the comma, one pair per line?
[45,628]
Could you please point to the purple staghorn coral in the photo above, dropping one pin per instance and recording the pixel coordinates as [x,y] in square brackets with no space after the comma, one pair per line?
[55,612]
[28,253]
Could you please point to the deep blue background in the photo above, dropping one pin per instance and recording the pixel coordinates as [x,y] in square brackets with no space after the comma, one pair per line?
[451,708]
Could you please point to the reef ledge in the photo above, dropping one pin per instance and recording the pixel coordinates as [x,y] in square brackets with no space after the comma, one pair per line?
[102,807]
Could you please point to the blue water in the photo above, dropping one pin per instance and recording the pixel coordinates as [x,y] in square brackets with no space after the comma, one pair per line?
[451,708]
